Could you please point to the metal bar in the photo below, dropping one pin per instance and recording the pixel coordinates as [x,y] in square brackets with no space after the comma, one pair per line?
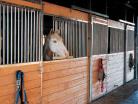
[4,27]
[31,30]
[76,38]
[18,55]
[34,40]
[25,37]
[83,39]
[22,35]
[69,37]
[7,36]
[0,36]
[41,36]
[15,35]
[79,35]
[66,44]
[73,44]
[37,36]
[28,44]
[68,32]
[11,36]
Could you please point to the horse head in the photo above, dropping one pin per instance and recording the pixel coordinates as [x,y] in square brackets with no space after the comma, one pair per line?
[54,45]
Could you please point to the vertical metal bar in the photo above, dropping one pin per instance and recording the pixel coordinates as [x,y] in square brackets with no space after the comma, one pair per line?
[53,23]
[15,35]
[25,38]
[70,37]
[11,36]
[82,39]
[34,40]
[79,38]
[0,36]
[22,35]
[73,44]
[76,39]
[68,32]
[39,37]
[18,55]
[37,41]
[28,48]
[73,32]
[4,27]
[31,37]
[7,58]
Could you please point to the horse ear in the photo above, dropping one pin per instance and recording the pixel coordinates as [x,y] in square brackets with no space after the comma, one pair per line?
[51,32]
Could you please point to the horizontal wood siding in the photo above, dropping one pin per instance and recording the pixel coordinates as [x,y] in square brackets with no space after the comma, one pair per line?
[8,82]
[96,84]
[115,69]
[65,81]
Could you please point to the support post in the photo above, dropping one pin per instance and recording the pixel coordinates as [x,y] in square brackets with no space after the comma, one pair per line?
[89,50]
[136,49]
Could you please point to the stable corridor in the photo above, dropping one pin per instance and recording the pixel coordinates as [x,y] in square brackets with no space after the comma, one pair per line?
[127,94]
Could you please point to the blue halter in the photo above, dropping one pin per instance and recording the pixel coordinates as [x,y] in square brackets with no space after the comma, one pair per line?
[21,92]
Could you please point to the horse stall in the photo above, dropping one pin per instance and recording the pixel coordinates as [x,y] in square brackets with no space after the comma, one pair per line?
[47,82]
[115,58]
[20,32]
[129,51]
[100,51]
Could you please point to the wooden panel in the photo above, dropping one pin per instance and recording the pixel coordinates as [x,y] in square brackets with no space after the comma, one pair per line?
[115,69]
[116,24]
[8,82]
[61,82]
[24,3]
[66,82]
[65,12]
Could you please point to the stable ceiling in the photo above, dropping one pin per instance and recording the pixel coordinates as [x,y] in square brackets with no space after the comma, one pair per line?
[115,9]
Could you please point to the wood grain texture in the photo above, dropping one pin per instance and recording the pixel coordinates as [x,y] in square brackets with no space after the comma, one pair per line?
[64,81]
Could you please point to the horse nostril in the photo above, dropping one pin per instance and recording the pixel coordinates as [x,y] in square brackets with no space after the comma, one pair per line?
[55,41]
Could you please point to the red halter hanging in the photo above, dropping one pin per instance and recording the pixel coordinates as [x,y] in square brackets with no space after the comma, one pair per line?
[101,73]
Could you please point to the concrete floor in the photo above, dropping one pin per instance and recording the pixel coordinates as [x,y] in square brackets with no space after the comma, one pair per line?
[127,94]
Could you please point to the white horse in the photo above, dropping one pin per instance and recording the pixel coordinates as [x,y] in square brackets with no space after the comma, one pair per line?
[53,44]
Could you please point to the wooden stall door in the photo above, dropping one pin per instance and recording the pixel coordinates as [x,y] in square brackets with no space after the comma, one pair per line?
[129,51]
[100,50]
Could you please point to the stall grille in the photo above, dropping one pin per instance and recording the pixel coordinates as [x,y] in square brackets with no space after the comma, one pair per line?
[20,33]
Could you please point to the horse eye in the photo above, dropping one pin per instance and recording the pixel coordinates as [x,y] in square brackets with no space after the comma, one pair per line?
[55,41]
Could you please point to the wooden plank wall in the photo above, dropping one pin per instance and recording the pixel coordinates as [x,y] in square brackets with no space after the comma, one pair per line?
[115,69]
[96,84]
[129,73]
[66,82]
[8,82]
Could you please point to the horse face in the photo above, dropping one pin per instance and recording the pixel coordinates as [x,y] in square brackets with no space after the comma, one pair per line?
[56,45]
